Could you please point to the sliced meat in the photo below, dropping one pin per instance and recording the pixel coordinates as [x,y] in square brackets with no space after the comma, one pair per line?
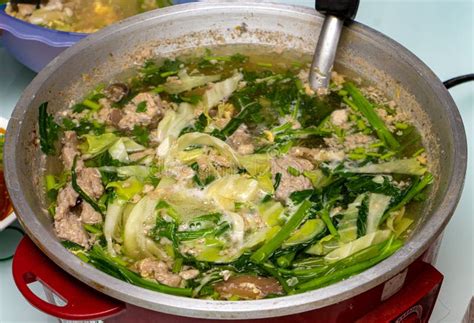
[159,270]
[153,111]
[67,198]
[107,114]
[89,180]
[317,155]
[69,227]
[340,117]
[241,141]
[248,287]
[288,182]
[89,215]
[116,92]
[189,274]
[69,151]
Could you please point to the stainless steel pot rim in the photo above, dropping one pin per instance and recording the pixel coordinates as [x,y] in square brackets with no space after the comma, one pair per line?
[242,309]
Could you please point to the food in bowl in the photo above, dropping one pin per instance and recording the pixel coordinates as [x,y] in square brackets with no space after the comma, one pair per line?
[5,204]
[226,177]
[85,16]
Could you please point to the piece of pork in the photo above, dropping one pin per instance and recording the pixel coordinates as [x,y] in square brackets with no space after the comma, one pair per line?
[89,180]
[248,287]
[70,150]
[153,111]
[89,215]
[69,227]
[109,115]
[241,141]
[159,270]
[288,182]
[67,198]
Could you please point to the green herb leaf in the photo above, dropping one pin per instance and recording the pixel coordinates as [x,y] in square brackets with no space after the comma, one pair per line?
[141,107]
[48,130]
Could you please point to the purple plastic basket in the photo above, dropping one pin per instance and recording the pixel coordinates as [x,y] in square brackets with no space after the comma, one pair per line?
[35,46]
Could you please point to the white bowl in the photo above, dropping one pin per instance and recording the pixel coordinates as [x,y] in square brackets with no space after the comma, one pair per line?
[11,218]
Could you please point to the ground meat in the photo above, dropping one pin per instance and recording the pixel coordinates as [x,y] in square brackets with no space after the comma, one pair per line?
[353,141]
[67,198]
[339,117]
[189,274]
[69,227]
[317,155]
[248,287]
[241,141]
[288,182]
[89,215]
[153,111]
[69,151]
[107,114]
[89,180]
[117,91]
[159,270]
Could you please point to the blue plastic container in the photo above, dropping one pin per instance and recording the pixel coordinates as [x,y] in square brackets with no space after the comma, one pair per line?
[35,46]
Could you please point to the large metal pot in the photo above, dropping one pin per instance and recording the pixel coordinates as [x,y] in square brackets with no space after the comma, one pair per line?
[363,52]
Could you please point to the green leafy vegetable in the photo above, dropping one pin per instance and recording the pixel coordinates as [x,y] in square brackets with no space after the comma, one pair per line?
[141,135]
[360,103]
[48,130]
[409,166]
[141,107]
[186,82]
[293,222]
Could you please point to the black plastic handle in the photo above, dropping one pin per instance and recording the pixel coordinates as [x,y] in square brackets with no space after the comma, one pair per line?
[344,9]
[458,80]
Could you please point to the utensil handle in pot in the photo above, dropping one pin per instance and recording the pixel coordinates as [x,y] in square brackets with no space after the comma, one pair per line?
[343,9]
[82,302]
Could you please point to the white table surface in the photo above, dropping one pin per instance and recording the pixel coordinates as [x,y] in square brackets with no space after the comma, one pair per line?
[441,33]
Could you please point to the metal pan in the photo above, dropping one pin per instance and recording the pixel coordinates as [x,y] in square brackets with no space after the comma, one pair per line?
[363,52]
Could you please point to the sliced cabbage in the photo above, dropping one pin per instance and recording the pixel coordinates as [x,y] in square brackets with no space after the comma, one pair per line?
[272,213]
[220,91]
[317,178]
[128,188]
[202,139]
[118,151]
[131,146]
[232,189]
[324,246]
[306,232]
[137,245]
[255,164]
[174,122]
[266,183]
[398,223]
[96,145]
[112,220]
[352,247]
[347,227]
[409,166]
[186,82]
[188,203]
[138,171]
[229,247]
[378,204]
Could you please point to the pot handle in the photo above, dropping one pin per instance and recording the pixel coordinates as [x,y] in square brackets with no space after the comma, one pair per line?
[458,80]
[82,302]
